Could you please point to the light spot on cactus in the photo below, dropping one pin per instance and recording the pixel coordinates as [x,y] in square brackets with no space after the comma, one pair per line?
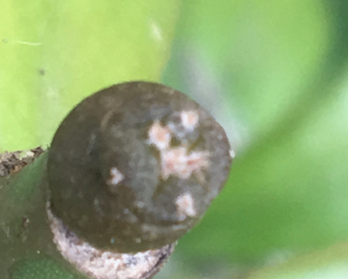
[232,153]
[159,136]
[177,162]
[189,119]
[185,206]
[115,177]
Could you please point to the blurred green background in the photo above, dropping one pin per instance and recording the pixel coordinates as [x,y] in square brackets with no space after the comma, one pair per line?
[273,72]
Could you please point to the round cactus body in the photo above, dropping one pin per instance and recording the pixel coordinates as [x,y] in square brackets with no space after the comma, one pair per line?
[135,166]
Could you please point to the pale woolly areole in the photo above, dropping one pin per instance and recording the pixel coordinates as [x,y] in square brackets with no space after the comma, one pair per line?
[185,206]
[115,176]
[159,136]
[232,153]
[189,119]
[104,264]
[178,161]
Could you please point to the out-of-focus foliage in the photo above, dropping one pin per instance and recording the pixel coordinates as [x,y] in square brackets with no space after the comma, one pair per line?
[54,53]
[274,71]
[330,263]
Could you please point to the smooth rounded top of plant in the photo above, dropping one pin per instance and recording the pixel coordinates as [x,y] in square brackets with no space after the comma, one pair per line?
[135,166]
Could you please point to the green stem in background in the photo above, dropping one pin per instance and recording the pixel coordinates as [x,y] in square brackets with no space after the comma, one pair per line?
[54,53]
[130,170]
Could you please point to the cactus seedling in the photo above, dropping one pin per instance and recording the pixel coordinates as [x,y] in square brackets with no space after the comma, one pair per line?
[131,169]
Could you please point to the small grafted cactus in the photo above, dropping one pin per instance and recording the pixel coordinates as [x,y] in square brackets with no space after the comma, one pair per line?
[134,167]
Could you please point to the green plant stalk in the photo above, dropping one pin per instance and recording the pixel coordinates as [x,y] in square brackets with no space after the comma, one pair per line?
[24,234]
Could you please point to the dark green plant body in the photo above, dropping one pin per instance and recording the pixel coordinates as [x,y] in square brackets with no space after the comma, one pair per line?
[135,166]
[130,170]
[25,235]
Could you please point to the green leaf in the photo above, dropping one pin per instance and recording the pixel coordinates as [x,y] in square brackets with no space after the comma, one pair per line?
[53,54]
[276,66]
